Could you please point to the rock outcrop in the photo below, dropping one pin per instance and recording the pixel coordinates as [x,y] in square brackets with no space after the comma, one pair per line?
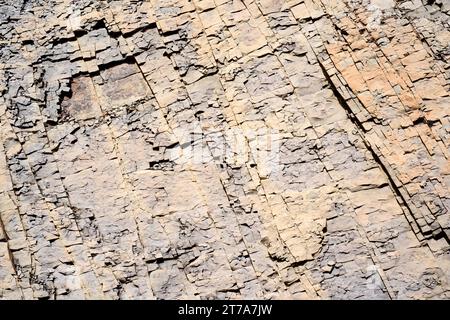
[252,149]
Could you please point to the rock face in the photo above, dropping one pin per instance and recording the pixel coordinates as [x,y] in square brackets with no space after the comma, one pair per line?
[171,149]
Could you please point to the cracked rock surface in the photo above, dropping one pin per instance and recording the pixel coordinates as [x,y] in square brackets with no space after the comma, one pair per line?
[225,149]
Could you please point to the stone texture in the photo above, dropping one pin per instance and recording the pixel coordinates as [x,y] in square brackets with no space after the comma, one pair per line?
[202,149]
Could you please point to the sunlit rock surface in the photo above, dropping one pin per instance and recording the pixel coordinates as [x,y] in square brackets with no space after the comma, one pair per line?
[266,149]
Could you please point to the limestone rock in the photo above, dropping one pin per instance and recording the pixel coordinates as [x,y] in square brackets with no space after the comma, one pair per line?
[224,149]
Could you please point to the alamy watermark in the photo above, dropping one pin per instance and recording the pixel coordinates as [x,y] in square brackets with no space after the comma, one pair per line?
[234,147]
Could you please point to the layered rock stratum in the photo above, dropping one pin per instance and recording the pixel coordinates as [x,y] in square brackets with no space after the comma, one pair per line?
[223,149]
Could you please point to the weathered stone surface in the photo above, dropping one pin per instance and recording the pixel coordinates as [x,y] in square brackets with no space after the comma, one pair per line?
[225,149]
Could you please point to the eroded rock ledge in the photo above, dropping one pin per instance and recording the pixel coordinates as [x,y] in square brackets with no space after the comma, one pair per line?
[265,149]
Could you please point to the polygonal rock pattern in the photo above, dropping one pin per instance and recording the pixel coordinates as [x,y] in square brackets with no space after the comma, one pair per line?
[254,149]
